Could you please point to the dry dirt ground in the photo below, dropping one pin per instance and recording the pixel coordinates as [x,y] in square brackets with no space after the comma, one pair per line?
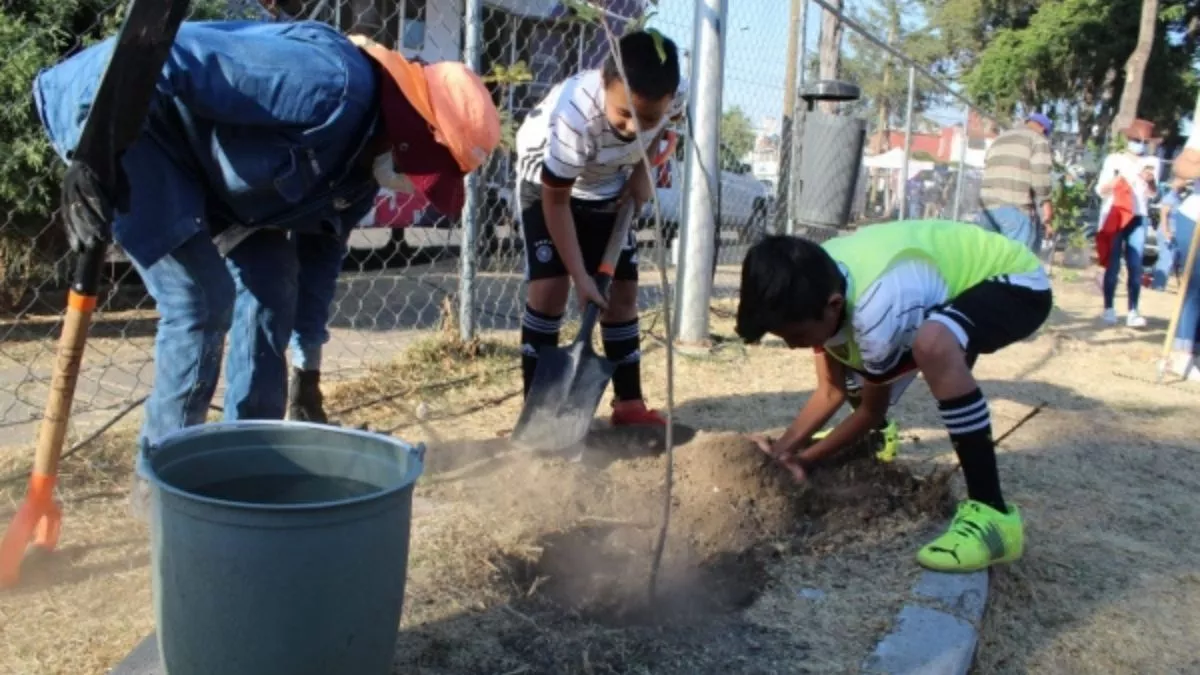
[533,565]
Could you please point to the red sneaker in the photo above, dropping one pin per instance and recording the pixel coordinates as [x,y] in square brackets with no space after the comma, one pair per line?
[635,413]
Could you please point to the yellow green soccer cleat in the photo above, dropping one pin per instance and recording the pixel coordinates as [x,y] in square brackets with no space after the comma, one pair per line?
[890,445]
[889,441]
[979,537]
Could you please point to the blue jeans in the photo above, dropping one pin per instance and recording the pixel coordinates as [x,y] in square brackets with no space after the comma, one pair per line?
[1013,222]
[1168,261]
[1187,333]
[251,296]
[320,261]
[1130,244]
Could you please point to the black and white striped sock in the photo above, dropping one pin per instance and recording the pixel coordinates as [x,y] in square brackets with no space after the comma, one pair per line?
[537,330]
[969,422]
[622,343]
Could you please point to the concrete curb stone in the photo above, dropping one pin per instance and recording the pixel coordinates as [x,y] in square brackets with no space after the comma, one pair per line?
[937,632]
[143,660]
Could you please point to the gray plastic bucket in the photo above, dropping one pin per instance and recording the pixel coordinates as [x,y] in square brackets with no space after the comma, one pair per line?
[279,548]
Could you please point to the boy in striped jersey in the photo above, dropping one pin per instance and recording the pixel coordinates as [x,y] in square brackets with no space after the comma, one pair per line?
[887,302]
[579,156]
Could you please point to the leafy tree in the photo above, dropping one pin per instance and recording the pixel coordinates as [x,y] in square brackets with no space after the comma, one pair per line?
[35,34]
[737,137]
[1135,67]
[502,77]
[1071,54]
[883,78]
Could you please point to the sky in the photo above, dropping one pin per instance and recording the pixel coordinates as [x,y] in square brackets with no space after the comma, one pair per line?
[756,51]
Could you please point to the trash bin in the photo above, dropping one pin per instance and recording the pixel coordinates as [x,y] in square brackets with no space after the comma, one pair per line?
[279,548]
[830,157]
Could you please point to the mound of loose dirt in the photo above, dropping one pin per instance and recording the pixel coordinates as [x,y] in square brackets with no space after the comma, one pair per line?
[580,535]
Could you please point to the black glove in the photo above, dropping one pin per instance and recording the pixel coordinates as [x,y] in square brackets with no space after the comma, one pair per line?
[88,206]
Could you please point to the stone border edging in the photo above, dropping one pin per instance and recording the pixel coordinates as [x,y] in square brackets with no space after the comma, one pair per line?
[937,631]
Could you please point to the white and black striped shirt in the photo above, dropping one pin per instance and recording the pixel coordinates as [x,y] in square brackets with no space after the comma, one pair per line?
[889,312]
[568,134]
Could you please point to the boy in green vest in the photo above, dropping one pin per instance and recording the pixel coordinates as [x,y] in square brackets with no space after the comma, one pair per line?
[886,302]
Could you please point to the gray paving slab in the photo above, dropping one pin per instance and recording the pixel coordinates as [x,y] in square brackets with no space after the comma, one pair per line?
[963,595]
[924,642]
[143,660]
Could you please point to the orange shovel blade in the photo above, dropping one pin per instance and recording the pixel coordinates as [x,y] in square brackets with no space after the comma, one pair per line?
[37,522]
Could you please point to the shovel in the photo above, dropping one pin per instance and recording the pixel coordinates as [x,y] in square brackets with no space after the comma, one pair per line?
[1169,339]
[570,381]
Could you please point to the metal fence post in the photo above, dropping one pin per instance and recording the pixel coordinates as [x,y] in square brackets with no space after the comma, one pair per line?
[472,49]
[908,127]
[796,139]
[791,107]
[699,234]
[962,164]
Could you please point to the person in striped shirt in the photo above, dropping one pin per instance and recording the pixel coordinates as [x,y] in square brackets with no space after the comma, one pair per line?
[1016,183]
[579,157]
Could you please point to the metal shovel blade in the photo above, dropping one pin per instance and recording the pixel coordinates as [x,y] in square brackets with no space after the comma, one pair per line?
[563,397]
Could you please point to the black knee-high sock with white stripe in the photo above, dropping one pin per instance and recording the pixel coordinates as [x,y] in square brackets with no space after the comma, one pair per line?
[537,330]
[621,344]
[970,425]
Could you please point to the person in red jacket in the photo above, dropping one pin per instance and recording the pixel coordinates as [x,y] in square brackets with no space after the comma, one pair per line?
[1124,221]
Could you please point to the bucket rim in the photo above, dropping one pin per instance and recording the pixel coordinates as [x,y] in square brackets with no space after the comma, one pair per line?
[415,469]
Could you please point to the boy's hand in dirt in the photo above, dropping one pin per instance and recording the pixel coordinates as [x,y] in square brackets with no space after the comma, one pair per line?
[788,460]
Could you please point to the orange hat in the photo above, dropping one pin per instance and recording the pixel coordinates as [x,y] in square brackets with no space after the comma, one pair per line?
[453,102]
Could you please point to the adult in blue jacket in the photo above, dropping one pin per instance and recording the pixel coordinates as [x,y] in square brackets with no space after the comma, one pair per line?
[264,145]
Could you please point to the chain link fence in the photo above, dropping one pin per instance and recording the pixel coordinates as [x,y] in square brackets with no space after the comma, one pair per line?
[403,275]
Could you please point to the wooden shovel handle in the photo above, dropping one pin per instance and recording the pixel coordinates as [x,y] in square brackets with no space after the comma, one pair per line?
[1187,279]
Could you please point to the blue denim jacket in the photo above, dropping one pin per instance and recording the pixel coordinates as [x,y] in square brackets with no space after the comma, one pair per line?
[259,124]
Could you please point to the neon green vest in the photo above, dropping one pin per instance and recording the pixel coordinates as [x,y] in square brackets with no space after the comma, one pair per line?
[964,254]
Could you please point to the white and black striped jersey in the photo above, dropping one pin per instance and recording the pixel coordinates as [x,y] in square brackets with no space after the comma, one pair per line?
[891,310]
[568,134]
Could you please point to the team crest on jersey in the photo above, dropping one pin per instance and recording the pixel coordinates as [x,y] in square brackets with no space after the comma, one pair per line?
[543,252]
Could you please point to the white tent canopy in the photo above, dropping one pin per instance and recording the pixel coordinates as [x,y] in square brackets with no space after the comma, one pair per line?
[893,160]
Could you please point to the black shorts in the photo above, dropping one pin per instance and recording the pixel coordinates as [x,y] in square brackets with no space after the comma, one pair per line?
[594,222]
[985,318]
[997,313]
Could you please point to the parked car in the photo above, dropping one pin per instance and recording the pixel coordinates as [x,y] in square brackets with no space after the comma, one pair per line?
[412,223]
[743,203]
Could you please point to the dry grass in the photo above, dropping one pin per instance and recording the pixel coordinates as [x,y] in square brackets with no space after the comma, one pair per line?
[1104,474]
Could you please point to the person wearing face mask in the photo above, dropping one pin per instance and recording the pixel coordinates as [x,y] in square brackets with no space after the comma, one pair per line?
[1126,195]
[265,144]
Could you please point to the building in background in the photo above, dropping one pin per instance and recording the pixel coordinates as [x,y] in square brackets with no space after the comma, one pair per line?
[764,159]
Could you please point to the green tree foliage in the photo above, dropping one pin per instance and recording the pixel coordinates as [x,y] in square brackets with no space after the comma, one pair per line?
[737,137]
[882,77]
[501,78]
[1072,52]
[35,34]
